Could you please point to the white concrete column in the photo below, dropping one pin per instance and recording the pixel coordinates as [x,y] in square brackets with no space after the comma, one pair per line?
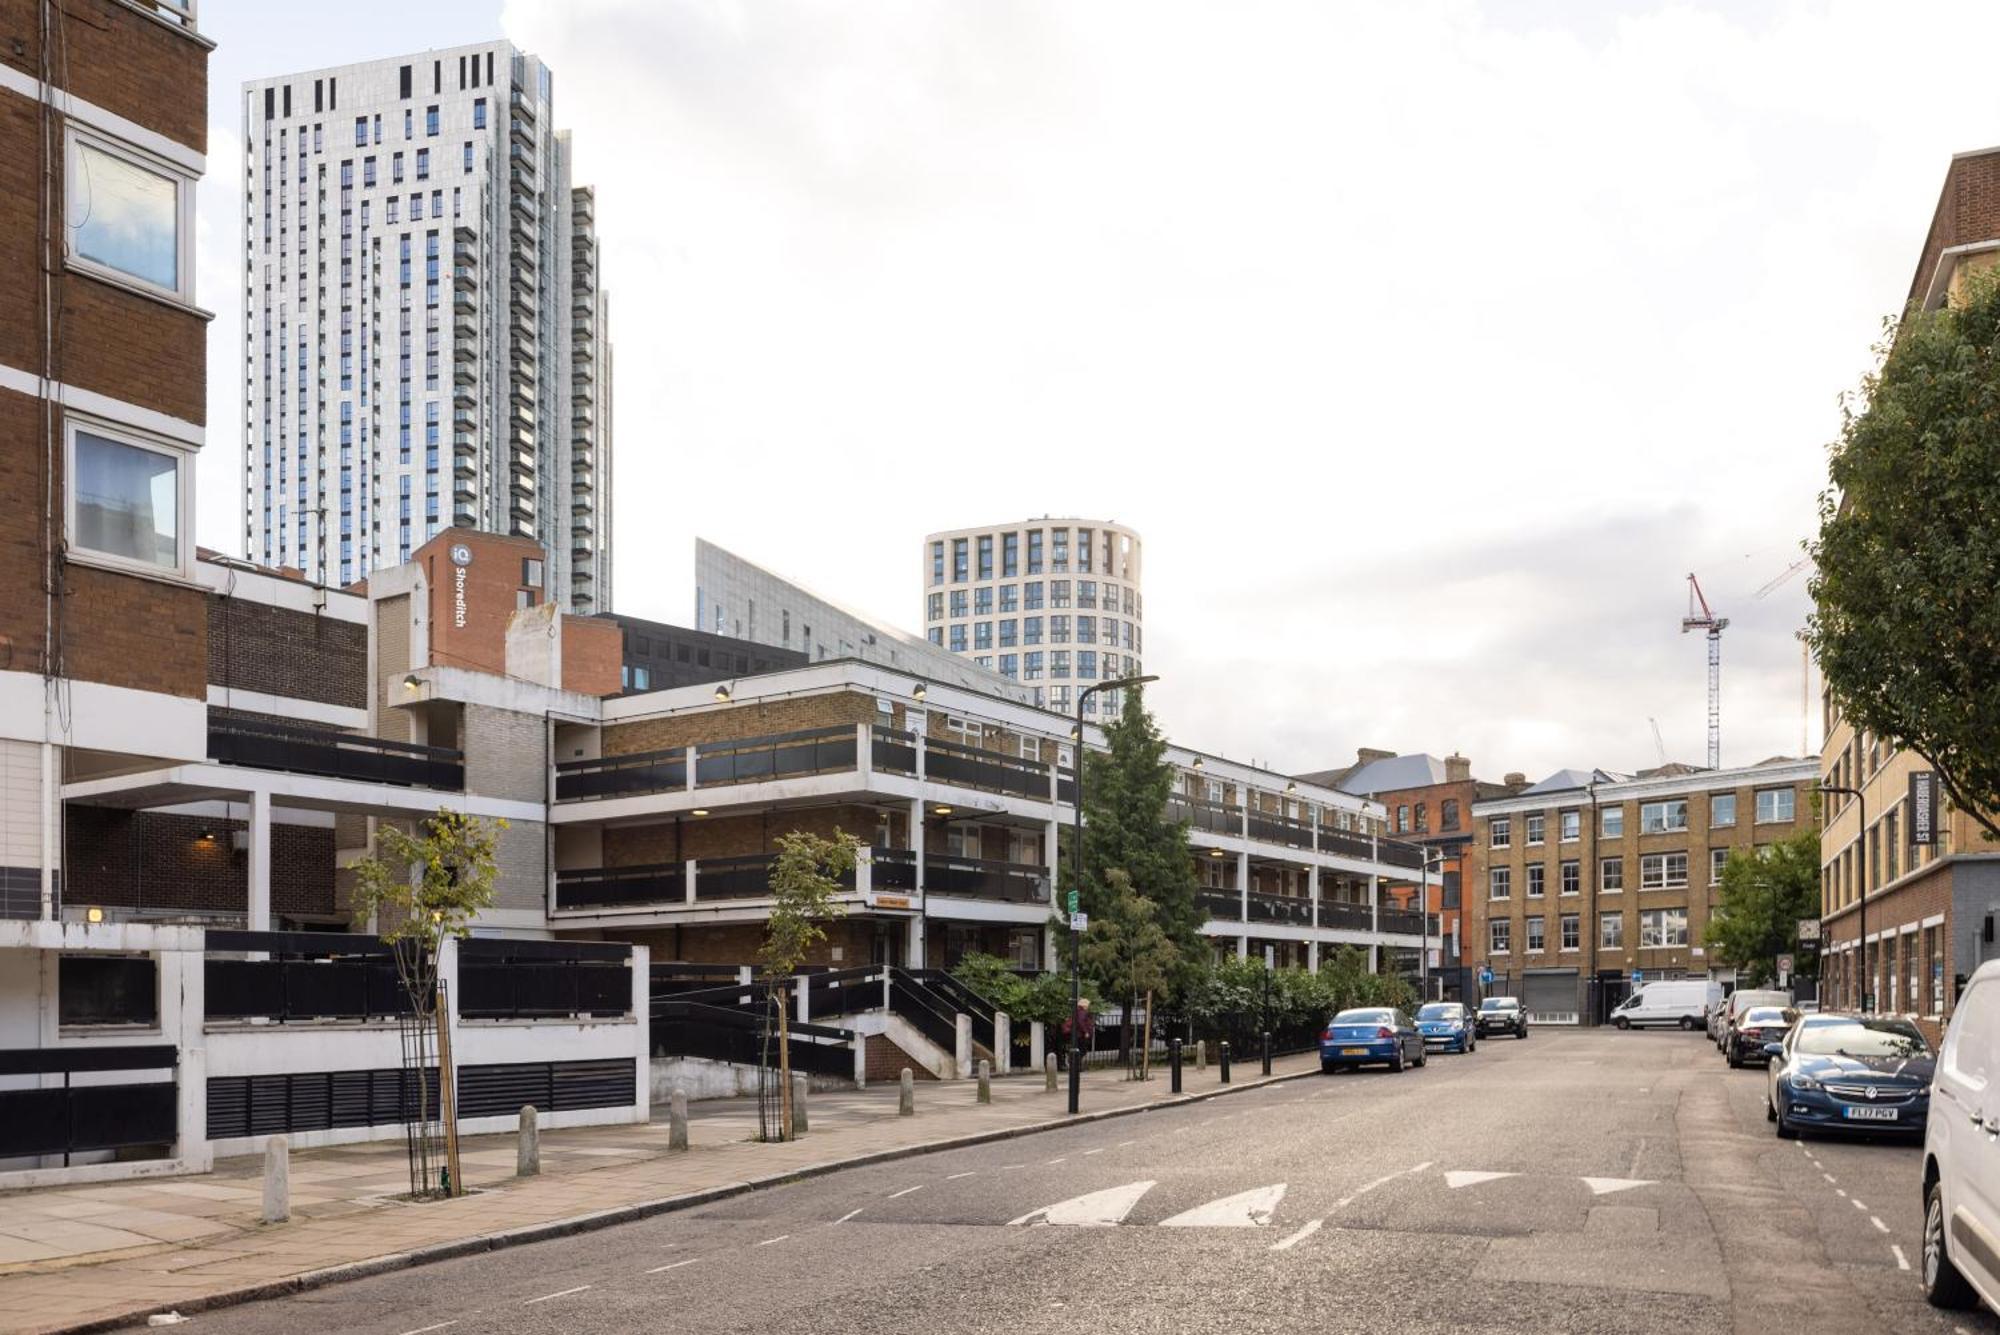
[1313,894]
[642,1019]
[51,808]
[687,764]
[1003,1042]
[800,1004]
[688,870]
[1243,889]
[962,1047]
[864,750]
[1038,1040]
[913,944]
[259,873]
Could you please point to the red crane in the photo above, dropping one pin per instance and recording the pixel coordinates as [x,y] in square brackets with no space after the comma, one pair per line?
[1705,619]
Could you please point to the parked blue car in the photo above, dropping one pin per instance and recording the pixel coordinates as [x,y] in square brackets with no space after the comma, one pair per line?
[1850,1073]
[1371,1035]
[1446,1026]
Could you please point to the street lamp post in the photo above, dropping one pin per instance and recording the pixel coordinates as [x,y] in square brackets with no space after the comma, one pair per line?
[1424,919]
[1864,976]
[1076,884]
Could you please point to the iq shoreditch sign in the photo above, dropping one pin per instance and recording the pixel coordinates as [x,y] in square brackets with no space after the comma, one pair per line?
[1923,807]
[461,557]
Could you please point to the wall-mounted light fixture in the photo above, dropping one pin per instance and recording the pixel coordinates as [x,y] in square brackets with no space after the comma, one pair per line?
[940,811]
[919,693]
[1197,763]
[699,811]
[722,695]
[412,682]
[93,914]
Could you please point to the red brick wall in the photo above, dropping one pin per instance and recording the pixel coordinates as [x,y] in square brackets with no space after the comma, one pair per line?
[123,61]
[748,720]
[887,1062]
[156,860]
[593,655]
[1968,210]
[258,647]
[492,588]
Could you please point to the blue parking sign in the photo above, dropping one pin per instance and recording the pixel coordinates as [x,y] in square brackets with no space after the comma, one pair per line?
[1486,976]
[1638,977]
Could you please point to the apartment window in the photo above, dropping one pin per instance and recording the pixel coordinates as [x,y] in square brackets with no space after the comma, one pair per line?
[1010,665]
[1663,871]
[1570,875]
[1031,630]
[1572,932]
[982,601]
[1537,935]
[1423,816]
[135,215]
[1034,551]
[1660,817]
[468,155]
[360,131]
[1009,633]
[478,113]
[431,121]
[958,602]
[1086,666]
[1776,805]
[1537,828]
[1060,561]
[1031,595]
[1611,931]
[1502,832]
[937,562]
[1031,668]
[1611,822]
[1059,592]
[1010,597]
[1499,882]
[982,634]
[1663,927]
[1058,630]
[961,560]
[1538,876]
[1611,875]
[934,606]
[958,638]
[1500,936]
[1890,844]
[986,556]
[1448,814]
[1086,593]
[423,174]
[1402,820]
[1721,810]
[1010,555]
[1571,824]
[1058,662]
[1718,858]
[127,497]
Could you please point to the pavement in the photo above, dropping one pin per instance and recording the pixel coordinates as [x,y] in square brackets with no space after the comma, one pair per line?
[93,1255]
[1577,1182]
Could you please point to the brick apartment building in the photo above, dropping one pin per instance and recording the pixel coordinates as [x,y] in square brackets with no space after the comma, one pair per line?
[1592,876]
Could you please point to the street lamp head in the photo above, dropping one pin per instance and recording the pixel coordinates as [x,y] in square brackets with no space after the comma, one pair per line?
[1197,763]
[722,695]
[919,693]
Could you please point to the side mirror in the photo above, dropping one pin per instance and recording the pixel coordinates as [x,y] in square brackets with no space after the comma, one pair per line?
[1774,1049]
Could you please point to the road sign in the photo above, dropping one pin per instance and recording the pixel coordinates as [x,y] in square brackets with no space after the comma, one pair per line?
[1808,929]
[1079,922]
[1784,966]
[1923,806]
[1072,901]
[1486,977]
[1638,977]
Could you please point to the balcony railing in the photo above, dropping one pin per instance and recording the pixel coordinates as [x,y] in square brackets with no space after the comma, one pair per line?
[1347,843]
[893,869]
[892,750]
[746,877]
[1272,829]
[622,887]
[988,771]
[296,749]
[1352,917]
[1291,910]
[813,751]
[985,878]
[1224,904]
[1201,814]
[1405,922]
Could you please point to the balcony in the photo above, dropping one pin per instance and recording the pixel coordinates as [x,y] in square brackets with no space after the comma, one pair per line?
[1224,904]
[1201,814]
[665,884]
[523,105]
[465,276]
[524,205]
[988,771]
[1403,922]
[984,878]
[1272,829]
[296,749]
[523,132]
[523,160]
[1350,917]
[1289,910]
[464,302]
[780,755]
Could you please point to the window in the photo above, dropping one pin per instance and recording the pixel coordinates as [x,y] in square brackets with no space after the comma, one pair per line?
[133,216]
[1663,927]
[431,121]
[1537,828]
[1010,555]
[1059,592]
[1031,630]
[958,602]
[127,497]
[531,568]
[1032,668]
[1009,633]
[1718,858]
[1537,935]
[982,634]
[1721,810]
[1570,875]
[1663,871]
[423,174]
[1572,932]
[1538,876]
[1010,597]
[1448,814]
[958,638]
[961,560]
[937,562]
[360,131]
[1776,805]
[1503,832]
[1035,552]
[1500,882]
[1402,820]
[1660,817]
[1031,595]
[1500,936]
[1611,931]
[1058,630]
[478,112]
[986,556]
[1611,875]
[1611,822]
[1571,825]
[982,601]
[934,607]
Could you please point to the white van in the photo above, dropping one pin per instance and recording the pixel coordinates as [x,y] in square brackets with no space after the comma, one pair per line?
[1684,1002]
[1961,1255]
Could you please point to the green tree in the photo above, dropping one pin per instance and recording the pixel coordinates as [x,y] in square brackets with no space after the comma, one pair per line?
[1044,997]
[1765,894]
[1127,950]
[420,889]
[805,880]
[1906,626]
[1125,795]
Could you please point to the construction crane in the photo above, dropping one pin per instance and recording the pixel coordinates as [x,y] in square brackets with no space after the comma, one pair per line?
[1700,617]
[1659,742]
[1782,576]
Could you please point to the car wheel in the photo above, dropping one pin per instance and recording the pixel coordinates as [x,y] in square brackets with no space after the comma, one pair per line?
[1943,1285]
[1785,1129]
[1396,1062]
[1735,1062]
[1524,1031]
[1770,1110]
[1621,1023]
[1327,1068]
[1687,1025]
[1423,1058]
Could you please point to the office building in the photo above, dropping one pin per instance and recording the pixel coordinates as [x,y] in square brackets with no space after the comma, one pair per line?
[423,319]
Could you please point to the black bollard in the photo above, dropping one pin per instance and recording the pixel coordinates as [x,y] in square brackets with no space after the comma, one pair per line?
[1174,1061]
[1223,1061]
[1267,1052]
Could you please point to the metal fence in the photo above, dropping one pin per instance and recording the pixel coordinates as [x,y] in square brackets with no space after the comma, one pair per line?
[75,1119]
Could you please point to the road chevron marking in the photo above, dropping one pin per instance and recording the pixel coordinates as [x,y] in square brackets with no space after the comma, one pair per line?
[1246,1209]
[1604,1186]
[1456,1178]
[1292,1240]
[1097,1209]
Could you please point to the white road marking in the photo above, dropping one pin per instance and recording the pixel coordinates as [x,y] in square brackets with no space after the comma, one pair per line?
[1098,1150]
[1856,1203]
[1097,1209]
[1902,1261]
[439,1326]
[1367,1187]
[906,1191]
[768,1241]
[1292,1240]
[1009,1167]
[1604,1186]
[1829,1178]
[956,1176]
[675,1266]
[1878,1223]
[1123,1143]
[1061,1159]
[1461,1178]
[849,1215]
[562,1294]
[1246,1209]
[1840,1192]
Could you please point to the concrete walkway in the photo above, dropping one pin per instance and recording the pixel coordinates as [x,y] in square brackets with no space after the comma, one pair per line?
[95,1255]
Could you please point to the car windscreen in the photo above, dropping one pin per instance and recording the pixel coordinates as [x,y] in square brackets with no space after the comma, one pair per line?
[1765,1016]
[1442,1010]
[1863,1038]
[1498,1004]
[1365,1017]
[1743,1001]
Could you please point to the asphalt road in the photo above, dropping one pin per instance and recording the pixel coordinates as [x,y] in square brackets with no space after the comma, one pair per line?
[1577,1181]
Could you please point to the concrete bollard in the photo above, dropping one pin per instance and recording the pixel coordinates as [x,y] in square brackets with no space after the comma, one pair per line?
[798,1105]
[1003,1040]
[962,1048]
[906,1105]
[1037,1044]
[277,1180]
[1201,1054]
[986,1082]
[528,1145]
[1049,1073]
[677,1120]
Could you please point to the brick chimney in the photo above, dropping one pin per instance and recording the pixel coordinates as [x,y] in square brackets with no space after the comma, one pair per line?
[1516,779]
[1368,755]
[1457,769]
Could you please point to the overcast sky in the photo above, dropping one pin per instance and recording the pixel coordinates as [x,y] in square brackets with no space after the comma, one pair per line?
[1429,346]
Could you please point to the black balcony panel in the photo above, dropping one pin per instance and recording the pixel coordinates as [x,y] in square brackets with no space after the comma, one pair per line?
[1224,904]
[1293,910]
[641,772]
[894,869]
[984,878]
[1354,917]
[298,749]
[1271,829]
[1201,814]
[776,756]
[894,751]
[654,883]
[988,771]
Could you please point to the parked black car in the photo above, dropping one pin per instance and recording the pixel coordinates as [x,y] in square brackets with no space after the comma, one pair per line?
[1501,1015]
[1756,1027]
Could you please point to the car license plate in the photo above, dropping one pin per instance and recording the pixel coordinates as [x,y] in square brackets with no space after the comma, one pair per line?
[1354,1052]
[1872,1114]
